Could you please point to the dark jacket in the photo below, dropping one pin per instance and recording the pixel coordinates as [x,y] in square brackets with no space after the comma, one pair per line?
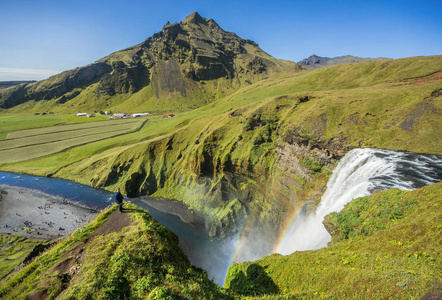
[118,197]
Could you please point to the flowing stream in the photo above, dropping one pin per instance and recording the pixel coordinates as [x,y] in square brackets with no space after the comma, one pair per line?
[359,173]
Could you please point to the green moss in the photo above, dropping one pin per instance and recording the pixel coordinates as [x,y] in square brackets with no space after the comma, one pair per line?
[311,164]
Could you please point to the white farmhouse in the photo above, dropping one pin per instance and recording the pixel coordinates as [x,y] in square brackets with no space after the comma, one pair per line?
[140,115]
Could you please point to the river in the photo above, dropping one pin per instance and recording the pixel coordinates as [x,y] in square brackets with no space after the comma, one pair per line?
[359,173]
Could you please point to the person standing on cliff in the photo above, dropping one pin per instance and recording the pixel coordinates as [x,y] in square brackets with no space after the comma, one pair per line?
[119,199]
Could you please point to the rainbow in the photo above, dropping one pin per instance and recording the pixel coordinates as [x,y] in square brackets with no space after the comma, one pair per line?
[282,237]
[241,249]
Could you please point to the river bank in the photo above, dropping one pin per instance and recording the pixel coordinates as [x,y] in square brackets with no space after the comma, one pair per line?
[176,208]
[36,214]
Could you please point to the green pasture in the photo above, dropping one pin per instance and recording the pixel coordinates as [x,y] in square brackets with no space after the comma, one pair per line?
[69,127]
[48,136]
[33,143]
[14,122]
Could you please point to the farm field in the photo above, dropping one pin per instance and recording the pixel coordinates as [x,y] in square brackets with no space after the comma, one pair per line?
[38,142]
[13,122]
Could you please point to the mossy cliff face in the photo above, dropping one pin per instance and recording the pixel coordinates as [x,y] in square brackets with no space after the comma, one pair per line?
[194,60]
[241,165]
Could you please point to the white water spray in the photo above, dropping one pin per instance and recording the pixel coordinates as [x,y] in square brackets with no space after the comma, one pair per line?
[358,174]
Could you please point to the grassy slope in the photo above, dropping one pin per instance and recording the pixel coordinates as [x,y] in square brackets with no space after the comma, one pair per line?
[140,261]
[386,246]
[189,157]
[13,250]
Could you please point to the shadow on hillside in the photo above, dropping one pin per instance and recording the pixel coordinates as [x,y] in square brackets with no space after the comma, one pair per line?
[254,282]
[131,210]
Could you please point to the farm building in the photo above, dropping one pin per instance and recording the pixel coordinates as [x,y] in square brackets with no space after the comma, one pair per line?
[82,115]
[168,116]
[140,115]
[120,115]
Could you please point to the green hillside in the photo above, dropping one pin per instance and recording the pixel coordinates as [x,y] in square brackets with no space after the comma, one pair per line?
[267,148]
[386,246]
[117,256]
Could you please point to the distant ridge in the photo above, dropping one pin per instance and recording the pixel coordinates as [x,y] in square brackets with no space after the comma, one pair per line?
[317,62]
[6,84]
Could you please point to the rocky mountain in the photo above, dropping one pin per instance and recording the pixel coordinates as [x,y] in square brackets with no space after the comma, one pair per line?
[317,62]
[174,64]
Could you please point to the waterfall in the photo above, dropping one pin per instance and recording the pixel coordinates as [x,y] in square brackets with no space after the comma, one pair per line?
[360,173]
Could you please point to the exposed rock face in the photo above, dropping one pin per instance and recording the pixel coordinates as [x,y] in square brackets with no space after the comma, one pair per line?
[317,62]
[172,61]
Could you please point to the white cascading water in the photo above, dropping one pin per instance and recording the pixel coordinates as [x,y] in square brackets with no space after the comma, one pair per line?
[358,174]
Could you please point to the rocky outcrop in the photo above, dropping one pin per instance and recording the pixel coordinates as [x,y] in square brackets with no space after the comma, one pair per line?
[323,150]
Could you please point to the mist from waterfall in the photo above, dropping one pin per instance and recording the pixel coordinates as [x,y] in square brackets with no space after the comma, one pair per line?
[360,173]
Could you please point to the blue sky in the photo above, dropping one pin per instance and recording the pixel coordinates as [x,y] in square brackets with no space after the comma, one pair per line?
[41,37]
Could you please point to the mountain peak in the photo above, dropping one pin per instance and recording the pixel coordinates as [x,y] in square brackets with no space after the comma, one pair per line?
[195,18]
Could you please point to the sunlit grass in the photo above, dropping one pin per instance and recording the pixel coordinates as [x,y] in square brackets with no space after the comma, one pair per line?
[14,249]
[14,122]
[34,143]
